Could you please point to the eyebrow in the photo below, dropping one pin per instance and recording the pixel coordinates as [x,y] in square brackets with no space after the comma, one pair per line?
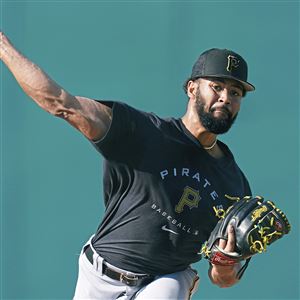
[224,81]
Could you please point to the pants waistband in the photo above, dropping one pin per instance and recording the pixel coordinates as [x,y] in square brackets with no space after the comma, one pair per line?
[124,277]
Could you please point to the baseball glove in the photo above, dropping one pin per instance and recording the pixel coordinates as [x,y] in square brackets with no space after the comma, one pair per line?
[257,223]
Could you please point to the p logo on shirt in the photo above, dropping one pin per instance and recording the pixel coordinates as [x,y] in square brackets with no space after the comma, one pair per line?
[190,198]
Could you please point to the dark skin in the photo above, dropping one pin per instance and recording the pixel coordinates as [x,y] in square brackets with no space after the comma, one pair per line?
[217,93]
[92,118]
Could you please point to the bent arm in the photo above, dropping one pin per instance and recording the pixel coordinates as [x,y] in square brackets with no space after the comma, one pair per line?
[225,276]
[88,116]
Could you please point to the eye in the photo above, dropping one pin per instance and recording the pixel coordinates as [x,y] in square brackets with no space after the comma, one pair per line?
[236,93]
[217,88]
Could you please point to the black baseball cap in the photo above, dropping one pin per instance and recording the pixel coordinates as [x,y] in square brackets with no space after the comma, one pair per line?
[222,63]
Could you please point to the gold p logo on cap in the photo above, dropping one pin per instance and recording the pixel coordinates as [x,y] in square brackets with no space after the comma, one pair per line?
[232,62]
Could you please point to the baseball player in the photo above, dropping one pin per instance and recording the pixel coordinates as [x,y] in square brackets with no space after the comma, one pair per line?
[166,181]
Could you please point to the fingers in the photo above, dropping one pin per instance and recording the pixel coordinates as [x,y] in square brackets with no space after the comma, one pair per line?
[222,243]
[228,245]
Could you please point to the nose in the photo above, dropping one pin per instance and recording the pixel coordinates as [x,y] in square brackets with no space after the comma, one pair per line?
[224,97]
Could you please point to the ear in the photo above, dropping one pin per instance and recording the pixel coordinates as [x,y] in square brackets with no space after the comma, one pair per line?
[191,90]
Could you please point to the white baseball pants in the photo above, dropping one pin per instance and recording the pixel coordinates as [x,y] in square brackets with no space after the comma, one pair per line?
[92,284]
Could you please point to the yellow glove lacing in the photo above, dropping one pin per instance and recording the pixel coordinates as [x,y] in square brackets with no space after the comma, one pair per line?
[259,246]
[204,250]
[256,246]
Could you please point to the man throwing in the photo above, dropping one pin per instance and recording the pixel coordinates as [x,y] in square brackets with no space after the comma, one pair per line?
[166,181]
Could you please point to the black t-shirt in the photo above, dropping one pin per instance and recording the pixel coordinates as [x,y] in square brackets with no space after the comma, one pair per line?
[161,192]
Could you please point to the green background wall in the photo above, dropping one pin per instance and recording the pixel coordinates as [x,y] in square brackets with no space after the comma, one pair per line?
[139,52]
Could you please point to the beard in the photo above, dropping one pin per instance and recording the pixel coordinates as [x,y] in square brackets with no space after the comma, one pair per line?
[209,121]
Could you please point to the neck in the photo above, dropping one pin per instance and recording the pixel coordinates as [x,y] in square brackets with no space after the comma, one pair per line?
[207,139]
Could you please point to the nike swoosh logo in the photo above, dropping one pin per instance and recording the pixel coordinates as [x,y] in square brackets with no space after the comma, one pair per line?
[167,229]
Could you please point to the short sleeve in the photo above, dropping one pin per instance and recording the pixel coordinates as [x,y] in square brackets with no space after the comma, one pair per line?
[122,137]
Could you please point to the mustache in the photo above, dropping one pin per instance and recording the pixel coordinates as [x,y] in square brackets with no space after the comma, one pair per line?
[224,109]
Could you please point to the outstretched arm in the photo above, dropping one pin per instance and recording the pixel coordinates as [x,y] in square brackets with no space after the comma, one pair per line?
[88,116]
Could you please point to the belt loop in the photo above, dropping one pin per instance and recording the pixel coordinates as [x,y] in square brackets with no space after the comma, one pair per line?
[88,243]
[98,263]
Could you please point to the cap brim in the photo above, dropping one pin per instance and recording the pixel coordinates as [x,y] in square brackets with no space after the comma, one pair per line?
[247,86]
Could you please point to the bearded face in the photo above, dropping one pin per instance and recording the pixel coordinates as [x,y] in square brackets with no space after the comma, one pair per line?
[213,124]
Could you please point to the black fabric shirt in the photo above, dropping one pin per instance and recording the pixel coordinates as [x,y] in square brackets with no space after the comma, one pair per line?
[161,192]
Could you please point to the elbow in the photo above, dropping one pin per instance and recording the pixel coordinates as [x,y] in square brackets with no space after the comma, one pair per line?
[53,107]
[54,102]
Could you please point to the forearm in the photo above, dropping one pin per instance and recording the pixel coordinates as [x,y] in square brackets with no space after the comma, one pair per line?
[88,116]
[34,81]
[224,276]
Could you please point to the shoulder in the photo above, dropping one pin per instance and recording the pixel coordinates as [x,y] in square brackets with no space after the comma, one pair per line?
[151,119]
